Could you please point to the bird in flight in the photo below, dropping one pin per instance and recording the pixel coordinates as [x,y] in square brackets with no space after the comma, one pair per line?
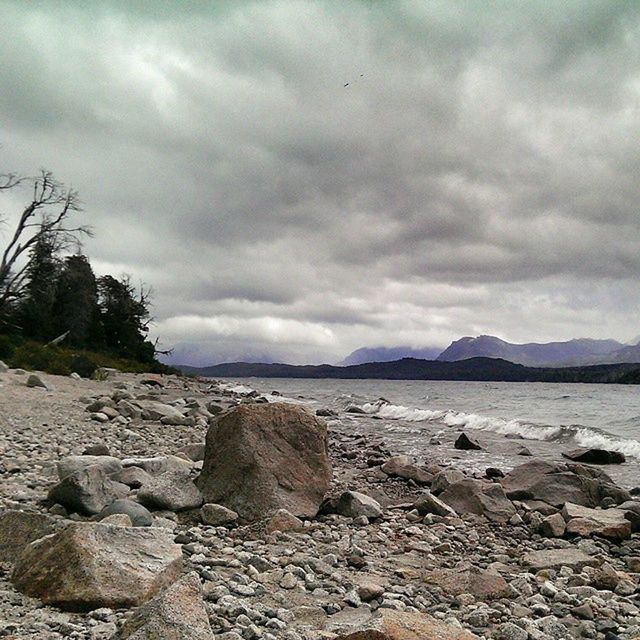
[346,84]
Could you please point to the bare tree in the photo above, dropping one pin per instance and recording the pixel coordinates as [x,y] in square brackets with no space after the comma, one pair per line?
[48,213]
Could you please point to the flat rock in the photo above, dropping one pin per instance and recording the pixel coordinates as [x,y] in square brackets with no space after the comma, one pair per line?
[153,410]
[559,483]
[18,529]
[387,624]
[484,585]
[263,457]
[177,613]
[89,565]
[71,464]
[159,464]
[608,523]
[87,491]
[172,491]
[558,558]
[479,497]
[403,467]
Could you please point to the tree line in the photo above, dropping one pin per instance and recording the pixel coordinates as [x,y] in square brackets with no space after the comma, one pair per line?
[48,290]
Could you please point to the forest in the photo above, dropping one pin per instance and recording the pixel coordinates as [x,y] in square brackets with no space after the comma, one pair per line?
[56,315]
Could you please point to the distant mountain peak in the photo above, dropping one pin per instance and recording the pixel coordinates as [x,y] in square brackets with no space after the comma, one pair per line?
[581,351]
[389,354]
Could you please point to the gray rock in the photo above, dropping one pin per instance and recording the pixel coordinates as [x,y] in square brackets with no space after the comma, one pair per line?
[560,483]
[133,477]
[172,491]
[159,464]
[178,613]
[3,367]
[194,451]
[217,515]
[482,498]
[608,523]
[403,467]
[428,503]
[353,504]
[152,410]
[553,526]
[445,479]
[18,529]
[510,631]
[35,381]
[87,565]
[139,515]
[87,491]
[97,450]
[263,457]
[71,464]
[558,558]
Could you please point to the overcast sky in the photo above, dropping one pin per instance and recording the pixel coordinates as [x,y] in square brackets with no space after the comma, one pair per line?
[480,172]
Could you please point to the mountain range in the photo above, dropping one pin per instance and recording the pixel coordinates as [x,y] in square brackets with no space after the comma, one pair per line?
[583,351]
[578,352]
[480,369]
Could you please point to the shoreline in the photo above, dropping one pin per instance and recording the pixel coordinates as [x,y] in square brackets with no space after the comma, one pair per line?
[334,570]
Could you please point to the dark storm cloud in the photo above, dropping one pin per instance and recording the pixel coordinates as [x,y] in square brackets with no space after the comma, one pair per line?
[478,173]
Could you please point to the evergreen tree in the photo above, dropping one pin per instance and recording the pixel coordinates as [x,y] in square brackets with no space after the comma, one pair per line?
[42,272]
[125,316]
[75,308]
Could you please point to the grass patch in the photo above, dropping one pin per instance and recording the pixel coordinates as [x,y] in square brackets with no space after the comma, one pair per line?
[61,360]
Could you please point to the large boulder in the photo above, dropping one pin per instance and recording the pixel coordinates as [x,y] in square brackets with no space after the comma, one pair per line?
[178,613]
[87,491]
[172,491]
[18,529]
[387,624]
[89,565]
[595,456]
[263,457]
[482,498]
[559,483]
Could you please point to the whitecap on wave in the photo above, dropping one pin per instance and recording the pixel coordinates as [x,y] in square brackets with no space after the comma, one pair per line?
[582,436]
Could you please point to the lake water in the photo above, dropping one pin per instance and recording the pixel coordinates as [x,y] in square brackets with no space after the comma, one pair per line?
[423,418]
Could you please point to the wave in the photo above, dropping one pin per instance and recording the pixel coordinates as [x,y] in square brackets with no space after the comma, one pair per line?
[592,438]
[582,436]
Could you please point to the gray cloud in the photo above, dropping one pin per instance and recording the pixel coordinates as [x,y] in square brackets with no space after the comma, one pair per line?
[479,173]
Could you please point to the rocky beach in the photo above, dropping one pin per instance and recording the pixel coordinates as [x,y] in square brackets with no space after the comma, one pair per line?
[150,507]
